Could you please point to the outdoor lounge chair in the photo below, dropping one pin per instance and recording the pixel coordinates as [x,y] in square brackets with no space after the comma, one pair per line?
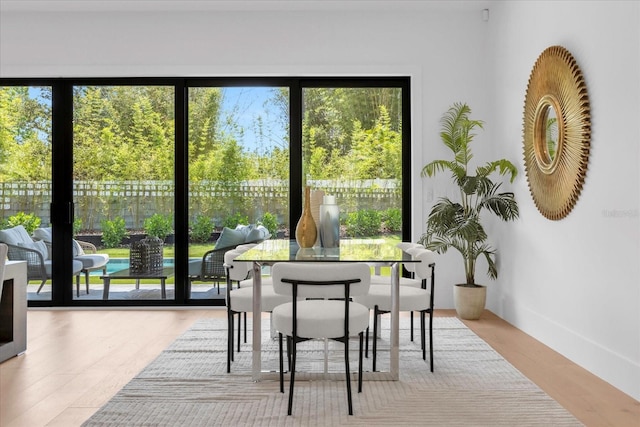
[23,248]
[84,252]
[211,267]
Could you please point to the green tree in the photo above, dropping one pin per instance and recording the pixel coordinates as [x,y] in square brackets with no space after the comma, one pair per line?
[25,134]
[377,151]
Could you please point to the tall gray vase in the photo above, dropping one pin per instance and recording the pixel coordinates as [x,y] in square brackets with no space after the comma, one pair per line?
[329,223]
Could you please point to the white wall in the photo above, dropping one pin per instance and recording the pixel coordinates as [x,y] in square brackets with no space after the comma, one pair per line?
[573,284]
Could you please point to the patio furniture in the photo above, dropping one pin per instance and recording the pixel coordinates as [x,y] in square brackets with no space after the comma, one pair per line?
[127,273]
[84,252]
[211,267]
[23,248]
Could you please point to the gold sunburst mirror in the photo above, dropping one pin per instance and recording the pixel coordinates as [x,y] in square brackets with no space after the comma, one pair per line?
[557,132]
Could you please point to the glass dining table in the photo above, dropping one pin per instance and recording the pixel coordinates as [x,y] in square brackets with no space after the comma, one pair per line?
[376,252]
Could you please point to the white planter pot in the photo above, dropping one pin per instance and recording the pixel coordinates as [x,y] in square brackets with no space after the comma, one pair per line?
[469,301]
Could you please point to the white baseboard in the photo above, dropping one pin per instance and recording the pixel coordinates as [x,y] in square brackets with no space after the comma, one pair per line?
[616,369]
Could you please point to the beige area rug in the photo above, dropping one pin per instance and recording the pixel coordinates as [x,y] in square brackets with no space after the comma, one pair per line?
[187,385]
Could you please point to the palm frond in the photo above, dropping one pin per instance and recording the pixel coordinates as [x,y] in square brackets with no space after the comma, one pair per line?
[504,205]
[430,169]
[488,253]
[502,166]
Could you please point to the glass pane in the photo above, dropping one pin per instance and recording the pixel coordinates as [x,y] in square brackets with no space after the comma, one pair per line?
[238,175]
[123,177]
[25,178]
[352,149]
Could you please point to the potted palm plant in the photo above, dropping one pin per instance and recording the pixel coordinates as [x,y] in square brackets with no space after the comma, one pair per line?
[457,224]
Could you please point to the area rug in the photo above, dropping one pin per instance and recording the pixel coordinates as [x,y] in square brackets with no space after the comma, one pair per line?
[187,385]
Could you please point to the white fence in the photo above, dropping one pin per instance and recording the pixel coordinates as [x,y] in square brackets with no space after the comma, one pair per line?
[136,200]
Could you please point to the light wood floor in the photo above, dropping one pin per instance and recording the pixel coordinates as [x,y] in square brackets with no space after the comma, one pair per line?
[76,360]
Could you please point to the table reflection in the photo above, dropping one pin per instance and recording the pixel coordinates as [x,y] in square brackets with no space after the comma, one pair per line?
[354,250]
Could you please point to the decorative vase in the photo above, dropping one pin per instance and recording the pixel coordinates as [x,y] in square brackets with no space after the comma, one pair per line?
[306,231]
[316,200]
[469,301]
[329,223]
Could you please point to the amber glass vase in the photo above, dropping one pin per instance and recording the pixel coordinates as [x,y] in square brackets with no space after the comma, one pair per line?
[306,230]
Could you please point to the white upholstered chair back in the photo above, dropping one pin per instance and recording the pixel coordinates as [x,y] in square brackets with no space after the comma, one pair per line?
[237,270]
[319,271]
[427,258]
[406,247]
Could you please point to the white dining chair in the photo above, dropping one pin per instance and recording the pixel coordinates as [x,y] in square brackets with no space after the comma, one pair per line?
[410,280]
[326,310]
[240,300]
[411,299]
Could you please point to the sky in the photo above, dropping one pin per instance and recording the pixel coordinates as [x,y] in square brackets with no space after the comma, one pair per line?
[246,105]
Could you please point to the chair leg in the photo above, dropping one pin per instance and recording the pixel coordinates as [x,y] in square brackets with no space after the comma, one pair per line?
[245,327]
[366,344]
[41,285]
[292,375]
[86,280]
[281,363]
[240,328]
[411,317]
[431,339]
[422,338]
[346,368]
[375,337]
[229,340]
[360,364]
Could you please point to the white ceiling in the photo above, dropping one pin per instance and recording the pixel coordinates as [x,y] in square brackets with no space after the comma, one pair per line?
[253,5]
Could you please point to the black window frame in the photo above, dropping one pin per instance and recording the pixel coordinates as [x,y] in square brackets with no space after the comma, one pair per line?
[62,165]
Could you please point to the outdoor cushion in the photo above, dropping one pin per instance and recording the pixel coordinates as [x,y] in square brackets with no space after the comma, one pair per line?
[39,246]
[195,267]
[90,261]
[229,237]
[258,233]
[43,233]
[15,235]
[77,249]
[245,229]
[76,266]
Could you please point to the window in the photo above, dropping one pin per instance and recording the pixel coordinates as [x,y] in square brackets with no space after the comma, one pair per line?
[185,158]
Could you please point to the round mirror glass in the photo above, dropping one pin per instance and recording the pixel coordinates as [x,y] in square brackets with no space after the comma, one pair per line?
[547,143]
[552,133]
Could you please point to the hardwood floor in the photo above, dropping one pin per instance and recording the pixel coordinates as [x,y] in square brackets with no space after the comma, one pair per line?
[76,360]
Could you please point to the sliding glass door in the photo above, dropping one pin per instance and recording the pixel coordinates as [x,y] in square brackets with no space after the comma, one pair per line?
[117,165]
[25,181]
[123,187]
[238,176]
